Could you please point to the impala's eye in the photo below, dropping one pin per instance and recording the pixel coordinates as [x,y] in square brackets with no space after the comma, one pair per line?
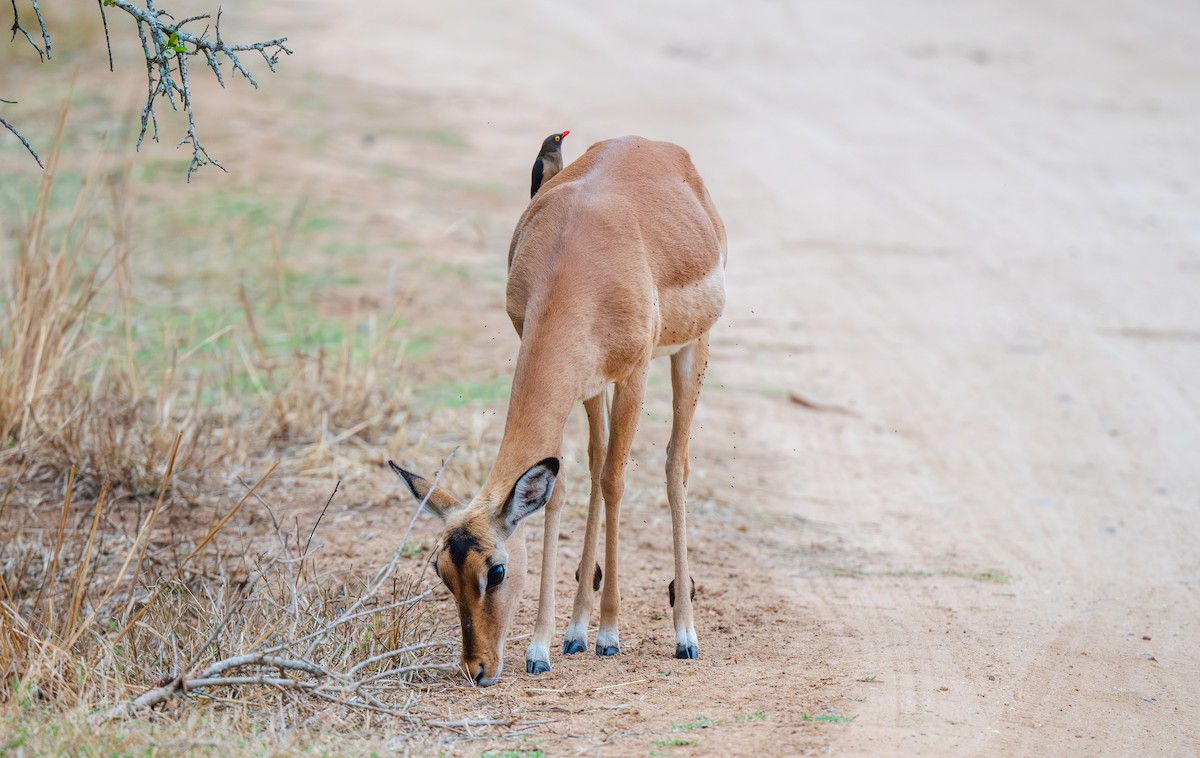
[495,575]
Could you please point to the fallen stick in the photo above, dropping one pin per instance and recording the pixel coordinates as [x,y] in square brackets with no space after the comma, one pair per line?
[817,405]
[622,684]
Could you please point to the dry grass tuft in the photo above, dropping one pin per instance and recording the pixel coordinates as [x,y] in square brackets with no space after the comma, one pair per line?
[70,394]
[332,402]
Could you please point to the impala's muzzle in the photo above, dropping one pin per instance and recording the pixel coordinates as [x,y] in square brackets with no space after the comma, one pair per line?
[482,659]
[481,673]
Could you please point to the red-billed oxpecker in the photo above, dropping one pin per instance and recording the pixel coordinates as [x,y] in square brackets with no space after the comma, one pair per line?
[549,161]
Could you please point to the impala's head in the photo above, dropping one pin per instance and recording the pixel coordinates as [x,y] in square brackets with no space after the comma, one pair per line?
[481,560]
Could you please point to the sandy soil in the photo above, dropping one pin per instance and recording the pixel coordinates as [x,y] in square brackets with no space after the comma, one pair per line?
[967,237]
[970,234]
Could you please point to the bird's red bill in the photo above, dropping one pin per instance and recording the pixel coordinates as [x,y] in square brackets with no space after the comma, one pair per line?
[565,133]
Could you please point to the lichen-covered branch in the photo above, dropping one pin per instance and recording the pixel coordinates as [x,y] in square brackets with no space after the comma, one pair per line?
[167,46]
[43,54]
[18,135]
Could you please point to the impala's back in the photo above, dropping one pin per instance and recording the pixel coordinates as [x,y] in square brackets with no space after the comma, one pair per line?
[624,241]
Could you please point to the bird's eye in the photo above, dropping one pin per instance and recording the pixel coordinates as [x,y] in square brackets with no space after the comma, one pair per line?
[495,575]
[558,138]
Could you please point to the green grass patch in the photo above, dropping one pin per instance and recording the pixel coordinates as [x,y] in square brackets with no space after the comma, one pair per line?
[750,718]
[340,249]
[852,573]
[442,137]
[320,223]
[19,195]
[458,394]
[673,742]
[999,577]
[157,169]
[994,577]
[828,718]
[700,722]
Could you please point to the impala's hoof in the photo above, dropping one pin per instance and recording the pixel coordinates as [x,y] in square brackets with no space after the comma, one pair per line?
[537,667]
[607,650]
[687,652]
[571,647]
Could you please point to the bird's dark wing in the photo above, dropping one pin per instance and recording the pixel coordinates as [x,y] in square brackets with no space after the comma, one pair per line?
[537,176]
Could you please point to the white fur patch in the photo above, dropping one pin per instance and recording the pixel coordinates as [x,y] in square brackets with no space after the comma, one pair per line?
[662,350]
[687,312]
[531,492]
[537,652]
[608,638]
[686,636]
[577,631]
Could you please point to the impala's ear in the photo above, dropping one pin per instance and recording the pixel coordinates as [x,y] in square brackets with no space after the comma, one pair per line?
[436,499]
[531,492]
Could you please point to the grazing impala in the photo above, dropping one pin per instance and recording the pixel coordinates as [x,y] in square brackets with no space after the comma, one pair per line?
[619,259]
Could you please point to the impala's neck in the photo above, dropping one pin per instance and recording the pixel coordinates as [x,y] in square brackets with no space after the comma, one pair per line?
[552,370]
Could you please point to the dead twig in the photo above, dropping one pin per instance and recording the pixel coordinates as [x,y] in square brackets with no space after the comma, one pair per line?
[387,570]
[21,137]
[622,684]
[468,723]
[209,678]
[814,404]
[43,54]
[267,667]
[321,516]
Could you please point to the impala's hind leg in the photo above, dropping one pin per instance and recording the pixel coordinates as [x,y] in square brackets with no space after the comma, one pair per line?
[588,573]
[687,374]
[626,409]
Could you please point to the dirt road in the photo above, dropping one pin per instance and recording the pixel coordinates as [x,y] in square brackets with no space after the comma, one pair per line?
[970,236]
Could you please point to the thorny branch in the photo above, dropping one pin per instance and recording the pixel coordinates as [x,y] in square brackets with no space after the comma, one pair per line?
[19,136]
[43,54]
[16,27]
[167,47]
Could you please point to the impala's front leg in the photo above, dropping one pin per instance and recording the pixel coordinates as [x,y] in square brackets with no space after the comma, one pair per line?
[626,408]
[537,655]
[589,574]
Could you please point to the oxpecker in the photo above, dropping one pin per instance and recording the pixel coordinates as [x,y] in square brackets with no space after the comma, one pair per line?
[549,161]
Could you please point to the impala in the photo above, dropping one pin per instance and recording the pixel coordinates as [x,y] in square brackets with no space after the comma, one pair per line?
[618,259]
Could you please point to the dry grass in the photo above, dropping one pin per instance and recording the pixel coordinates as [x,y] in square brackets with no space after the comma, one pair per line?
[253,639]
[71,396]
[133,615]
